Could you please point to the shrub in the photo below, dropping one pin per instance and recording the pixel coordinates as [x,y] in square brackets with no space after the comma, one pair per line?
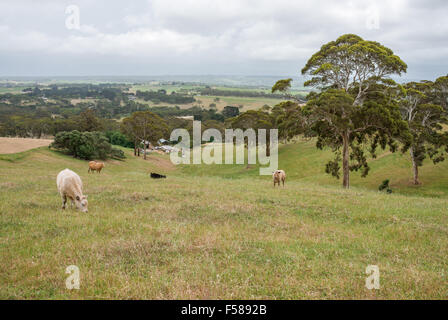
[119,139]
[385,186]
[117,154]
[86,145]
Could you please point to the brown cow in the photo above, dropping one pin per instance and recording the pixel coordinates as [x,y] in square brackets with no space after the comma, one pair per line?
[279,175]
[96,166]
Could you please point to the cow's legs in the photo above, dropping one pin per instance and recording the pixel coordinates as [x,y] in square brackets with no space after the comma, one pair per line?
[64,201]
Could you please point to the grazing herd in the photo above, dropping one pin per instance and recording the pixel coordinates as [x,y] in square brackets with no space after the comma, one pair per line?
[70,185]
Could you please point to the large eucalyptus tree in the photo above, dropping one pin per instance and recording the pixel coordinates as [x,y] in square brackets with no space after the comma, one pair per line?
[352,108]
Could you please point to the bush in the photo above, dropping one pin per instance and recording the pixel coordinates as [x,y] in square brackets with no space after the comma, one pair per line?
[86,145]
[119,139]
[117,154]
[385,186]
[230,112]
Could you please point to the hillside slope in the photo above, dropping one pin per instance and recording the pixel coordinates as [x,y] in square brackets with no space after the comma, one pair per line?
[212,237]
[303,162]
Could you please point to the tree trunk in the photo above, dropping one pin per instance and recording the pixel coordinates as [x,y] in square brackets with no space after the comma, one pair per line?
[144,152]
[414,167]
[135,148]
[345,161]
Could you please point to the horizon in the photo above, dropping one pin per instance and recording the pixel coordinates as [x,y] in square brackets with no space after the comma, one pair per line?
[205,79]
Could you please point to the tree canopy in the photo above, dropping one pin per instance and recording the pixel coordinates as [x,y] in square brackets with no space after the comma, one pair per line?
[350,63]
[144,126]
[254,119]
[425,120]
[86,145]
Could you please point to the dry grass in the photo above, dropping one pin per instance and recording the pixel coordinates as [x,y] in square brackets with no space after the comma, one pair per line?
[190,237]
[15,145]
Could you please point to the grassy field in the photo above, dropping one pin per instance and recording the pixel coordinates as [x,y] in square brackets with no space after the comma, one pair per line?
[223,232]
[14,90]
[247,102]
[167,87]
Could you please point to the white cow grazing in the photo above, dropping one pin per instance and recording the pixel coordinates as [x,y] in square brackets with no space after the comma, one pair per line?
[277,176]
[70,186]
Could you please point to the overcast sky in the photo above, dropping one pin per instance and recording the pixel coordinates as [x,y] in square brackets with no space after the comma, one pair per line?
[197,37]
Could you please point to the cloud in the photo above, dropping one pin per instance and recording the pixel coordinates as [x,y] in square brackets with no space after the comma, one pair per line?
[32,41]
[136,43]
[211,36]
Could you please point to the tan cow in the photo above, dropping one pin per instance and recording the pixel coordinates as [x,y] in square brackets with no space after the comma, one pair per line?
[70,186]
[96,166]
[279,175]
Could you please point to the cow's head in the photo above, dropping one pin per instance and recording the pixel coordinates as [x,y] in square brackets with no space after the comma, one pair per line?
[81,203]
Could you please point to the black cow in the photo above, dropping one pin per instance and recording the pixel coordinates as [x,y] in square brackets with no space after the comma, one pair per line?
[157,176]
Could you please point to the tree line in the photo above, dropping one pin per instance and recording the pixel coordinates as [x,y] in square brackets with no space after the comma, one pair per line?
[162,96]
[208,91]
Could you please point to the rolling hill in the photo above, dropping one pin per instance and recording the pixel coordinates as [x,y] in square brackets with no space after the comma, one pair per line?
[303,162]
[223,232]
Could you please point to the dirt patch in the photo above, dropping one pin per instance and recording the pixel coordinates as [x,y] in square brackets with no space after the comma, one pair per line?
[14,145]
[161,163]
